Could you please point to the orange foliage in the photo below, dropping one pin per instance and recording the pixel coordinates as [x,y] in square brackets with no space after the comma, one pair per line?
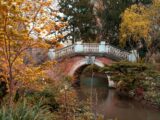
[24,24]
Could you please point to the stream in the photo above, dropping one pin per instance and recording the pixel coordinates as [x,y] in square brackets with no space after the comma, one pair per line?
[105,102]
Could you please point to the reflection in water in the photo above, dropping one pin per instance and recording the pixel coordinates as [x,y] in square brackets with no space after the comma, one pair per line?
[109,105]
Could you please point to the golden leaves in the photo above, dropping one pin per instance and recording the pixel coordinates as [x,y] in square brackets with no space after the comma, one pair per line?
[26,24]
[30,76]
[156,2]
[59,45]
[47,3]
[41,19]
[135,24]
[37,29]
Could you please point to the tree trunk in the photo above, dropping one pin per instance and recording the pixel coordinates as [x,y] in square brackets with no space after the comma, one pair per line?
[10,86]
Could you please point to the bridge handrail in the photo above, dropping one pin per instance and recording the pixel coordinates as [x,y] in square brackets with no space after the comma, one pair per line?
[63,47]
[118,48]
[64,51]
[90,44]
[118,52]
[92,48]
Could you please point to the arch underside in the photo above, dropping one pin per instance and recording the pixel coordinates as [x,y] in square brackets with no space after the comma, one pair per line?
[81,63]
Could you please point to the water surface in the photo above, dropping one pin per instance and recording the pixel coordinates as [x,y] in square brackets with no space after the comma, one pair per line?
[106,102]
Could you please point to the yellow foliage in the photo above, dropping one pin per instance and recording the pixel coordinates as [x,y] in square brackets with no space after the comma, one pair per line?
[24,24]
[58,46]
[41,18]
[140,22]
[135,24]
[37,30]
[156,2]
[60,36]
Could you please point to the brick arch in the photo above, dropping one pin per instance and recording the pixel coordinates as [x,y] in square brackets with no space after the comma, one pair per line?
[70,65]
[81,63]
[77,62]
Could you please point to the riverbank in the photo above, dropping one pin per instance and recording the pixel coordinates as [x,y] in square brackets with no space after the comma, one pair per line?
[148,103]
[139,99]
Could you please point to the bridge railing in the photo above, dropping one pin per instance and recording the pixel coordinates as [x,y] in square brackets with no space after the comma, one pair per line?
[64,51]
[88,48]
[117,52]
[91,47]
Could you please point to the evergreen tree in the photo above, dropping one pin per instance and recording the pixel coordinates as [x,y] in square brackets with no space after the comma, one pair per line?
[79,14]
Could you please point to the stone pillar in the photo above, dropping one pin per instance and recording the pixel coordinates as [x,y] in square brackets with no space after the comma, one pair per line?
[107,48]
[78,47]
[102,47]
[51,54]
[133,56]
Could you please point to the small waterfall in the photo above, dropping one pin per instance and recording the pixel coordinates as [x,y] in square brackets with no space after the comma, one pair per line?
[111,83]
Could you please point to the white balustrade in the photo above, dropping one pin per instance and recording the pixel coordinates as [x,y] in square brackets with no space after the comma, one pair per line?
[92,48]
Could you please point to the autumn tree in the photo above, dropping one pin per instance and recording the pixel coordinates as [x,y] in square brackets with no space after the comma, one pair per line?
[43,21]
[134,29]
[135,23]
[140,28]
[24,24]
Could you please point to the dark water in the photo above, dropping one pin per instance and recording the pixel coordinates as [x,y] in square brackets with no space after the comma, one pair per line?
[110,106]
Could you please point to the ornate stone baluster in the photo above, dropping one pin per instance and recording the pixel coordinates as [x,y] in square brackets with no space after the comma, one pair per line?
[92,48]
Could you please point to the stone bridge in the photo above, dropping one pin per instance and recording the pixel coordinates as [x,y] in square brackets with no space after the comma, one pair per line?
[82,54]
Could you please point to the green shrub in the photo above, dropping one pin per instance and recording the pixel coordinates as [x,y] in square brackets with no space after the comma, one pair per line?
[25,111]
[47,96]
